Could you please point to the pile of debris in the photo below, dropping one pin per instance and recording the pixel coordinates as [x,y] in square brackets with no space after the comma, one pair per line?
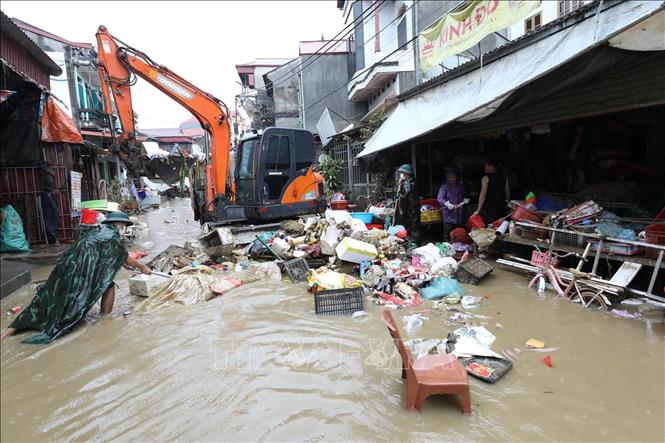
[344,253]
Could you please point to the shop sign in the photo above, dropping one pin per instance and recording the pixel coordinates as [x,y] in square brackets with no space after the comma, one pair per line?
[76,193]
[460,30]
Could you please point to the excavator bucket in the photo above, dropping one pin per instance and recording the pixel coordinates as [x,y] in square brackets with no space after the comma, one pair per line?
[140,165]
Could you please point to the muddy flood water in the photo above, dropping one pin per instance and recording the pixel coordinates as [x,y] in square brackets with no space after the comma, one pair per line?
[258,364]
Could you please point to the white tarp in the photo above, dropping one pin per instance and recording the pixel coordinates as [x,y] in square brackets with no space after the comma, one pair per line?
[159,187]
[487,87]
[153,150]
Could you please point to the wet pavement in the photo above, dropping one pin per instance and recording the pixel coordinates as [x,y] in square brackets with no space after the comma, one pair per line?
[258,364]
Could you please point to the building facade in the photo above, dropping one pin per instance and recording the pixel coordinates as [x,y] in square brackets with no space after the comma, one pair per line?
[34,173]
[78,88]
[254,99]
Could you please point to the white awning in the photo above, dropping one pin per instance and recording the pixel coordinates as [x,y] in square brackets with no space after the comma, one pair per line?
[478,93]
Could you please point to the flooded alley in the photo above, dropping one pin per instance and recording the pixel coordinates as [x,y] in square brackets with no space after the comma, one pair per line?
[258,364]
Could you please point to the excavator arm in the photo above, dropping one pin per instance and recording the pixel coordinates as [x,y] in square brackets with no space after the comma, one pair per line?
[118,66]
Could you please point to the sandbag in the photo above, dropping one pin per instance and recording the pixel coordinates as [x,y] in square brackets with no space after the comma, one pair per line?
[12,237]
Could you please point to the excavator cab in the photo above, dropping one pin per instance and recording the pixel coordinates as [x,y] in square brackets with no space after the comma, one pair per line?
[274,177]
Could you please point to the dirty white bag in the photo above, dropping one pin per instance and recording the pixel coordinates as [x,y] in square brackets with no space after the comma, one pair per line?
[337,217]
[280,246]
[358,225]
[445,267]
[266,270]
[329,240]
[483,237]
[429,254]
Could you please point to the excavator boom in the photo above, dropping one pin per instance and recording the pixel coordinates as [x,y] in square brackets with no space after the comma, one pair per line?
[275,177]
[119,63]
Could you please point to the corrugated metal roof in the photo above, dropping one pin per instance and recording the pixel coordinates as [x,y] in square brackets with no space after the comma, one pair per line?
[16,34]
[28,27]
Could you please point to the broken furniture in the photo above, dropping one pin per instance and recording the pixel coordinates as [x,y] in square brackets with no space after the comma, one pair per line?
[429,375]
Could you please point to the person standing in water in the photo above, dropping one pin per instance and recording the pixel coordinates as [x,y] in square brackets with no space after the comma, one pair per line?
[407,204]
[83,275]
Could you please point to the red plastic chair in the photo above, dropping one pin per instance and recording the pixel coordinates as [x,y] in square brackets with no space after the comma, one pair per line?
[429,375]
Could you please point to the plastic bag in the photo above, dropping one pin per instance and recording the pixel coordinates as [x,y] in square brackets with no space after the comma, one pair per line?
[446,249]
[12,237]
[267,270]
[428,254]
[325,279]
[441,287]
[329,240]
[483,237]
[445,267]
[616,231]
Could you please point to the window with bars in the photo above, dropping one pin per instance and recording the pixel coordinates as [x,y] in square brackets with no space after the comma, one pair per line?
[567,6]
[532,22]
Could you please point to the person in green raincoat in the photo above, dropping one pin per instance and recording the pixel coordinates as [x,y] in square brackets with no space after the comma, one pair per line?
[82,276]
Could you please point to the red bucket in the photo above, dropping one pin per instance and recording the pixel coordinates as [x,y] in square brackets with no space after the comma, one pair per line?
[88,216]
[476,222]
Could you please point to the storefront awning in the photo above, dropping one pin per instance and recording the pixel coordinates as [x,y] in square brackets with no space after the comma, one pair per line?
[478,93]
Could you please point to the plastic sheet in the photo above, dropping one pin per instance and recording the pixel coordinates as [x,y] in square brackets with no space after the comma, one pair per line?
[77,282]
[188,286]
[441,287]
[57,126]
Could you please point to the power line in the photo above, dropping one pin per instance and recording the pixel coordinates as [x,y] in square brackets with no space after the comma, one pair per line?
[366,42]
[347,30]
[399,48]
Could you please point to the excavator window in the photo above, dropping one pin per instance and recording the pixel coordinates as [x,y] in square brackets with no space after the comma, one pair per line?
[304,143]
[246,169]
[278,157]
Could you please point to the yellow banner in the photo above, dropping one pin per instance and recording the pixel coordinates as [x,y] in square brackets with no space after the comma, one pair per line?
[464,28]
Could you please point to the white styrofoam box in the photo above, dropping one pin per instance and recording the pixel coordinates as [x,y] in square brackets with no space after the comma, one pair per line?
[355,251]
[144,285]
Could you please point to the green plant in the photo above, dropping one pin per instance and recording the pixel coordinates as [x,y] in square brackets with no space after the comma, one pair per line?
[114,194]
[330,169]
[372,125]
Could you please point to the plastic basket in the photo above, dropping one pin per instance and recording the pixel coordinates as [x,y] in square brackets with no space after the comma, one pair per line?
[473,270]
[654,234]
[297,269]
[542,259]
[523,214]
[339,301]
[498,366]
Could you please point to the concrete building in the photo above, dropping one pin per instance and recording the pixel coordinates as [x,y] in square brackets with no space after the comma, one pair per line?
[309,92]
[78,88]
[546,13]
[253,99]
[384,58]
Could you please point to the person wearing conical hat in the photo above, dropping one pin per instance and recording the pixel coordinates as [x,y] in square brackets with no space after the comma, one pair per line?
[83,275]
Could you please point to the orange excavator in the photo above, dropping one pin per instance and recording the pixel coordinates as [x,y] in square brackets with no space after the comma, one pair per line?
[273,177]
